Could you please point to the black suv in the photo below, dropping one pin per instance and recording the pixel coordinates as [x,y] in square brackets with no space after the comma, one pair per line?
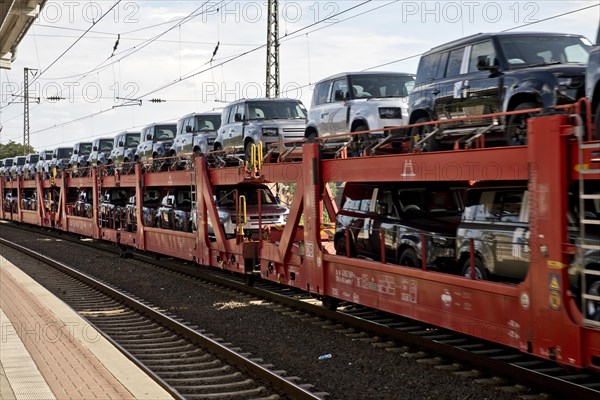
[401,213]
[593,83]
[495,72]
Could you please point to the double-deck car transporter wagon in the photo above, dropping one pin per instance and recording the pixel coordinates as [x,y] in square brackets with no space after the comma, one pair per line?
[548,314]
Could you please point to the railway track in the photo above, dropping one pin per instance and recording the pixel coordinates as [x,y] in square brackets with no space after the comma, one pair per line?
[431,345]
[188,363]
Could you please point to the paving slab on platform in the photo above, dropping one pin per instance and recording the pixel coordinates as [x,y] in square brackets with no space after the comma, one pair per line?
[74,360]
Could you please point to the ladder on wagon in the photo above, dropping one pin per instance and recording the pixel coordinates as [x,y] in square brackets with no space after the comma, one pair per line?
[590,278]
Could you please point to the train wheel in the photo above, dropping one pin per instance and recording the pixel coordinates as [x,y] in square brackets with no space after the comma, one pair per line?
[480,271]
[330,303]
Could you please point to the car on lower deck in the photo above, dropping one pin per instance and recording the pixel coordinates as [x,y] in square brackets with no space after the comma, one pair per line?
[403,215]
[496,219]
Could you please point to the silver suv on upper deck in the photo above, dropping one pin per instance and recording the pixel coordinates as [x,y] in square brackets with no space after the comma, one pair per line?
[124,148]
[196,133]
[359,101]
[270,121]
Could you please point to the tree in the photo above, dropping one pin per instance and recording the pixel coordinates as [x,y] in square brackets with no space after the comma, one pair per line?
[12,149]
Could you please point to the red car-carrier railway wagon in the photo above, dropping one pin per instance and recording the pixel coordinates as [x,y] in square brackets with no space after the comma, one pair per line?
[549,313]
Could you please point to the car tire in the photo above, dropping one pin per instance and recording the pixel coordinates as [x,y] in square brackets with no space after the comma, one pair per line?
[516,128]
[247,153]
[480,270]
[597,122]
[432,143]
[340,247]
[409,258]
[592,310]
[358,140]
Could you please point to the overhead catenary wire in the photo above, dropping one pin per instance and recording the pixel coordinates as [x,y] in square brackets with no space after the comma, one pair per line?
[182,78]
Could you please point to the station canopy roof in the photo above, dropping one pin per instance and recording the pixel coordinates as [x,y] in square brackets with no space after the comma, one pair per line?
[16,16]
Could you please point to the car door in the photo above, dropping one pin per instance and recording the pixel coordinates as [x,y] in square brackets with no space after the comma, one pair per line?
[511,233]
[384,225]
[145,148]
[338,108]
[448,90]
[482,82]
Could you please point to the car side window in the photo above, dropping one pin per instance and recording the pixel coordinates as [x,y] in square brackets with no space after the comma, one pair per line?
[455,62]
[432,67]
[483,49]
[357,198]
[241,109]
[321,93]
[339,85]
[385,204]
[229,115]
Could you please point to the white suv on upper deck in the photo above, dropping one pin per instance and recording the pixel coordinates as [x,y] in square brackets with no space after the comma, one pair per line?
[359,101]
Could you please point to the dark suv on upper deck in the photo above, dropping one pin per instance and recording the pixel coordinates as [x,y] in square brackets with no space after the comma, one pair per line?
[270,121]
[593,83]
[402,215]
[495,72]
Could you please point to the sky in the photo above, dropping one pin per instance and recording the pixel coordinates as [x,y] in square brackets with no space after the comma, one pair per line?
[166,51]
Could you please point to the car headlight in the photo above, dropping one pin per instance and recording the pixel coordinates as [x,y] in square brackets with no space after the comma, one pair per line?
[269,131]
[390,112]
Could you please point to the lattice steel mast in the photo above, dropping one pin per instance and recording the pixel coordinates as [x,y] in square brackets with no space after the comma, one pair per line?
[272,81]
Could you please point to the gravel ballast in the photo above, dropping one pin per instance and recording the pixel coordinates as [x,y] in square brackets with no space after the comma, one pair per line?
[356,371]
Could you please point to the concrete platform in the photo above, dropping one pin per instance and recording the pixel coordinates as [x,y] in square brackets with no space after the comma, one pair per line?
[47,351]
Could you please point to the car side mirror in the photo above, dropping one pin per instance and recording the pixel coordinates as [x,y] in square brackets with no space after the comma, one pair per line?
[339,95]
[121,144]
[95,148]
[237,117]
[188,128]
[169,202]
[149,136]
[483,64]
[75,152]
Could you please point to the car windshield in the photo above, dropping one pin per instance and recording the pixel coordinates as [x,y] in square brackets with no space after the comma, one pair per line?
[276,110]
[208,123]
[106,145]
[85,149]
[133,139]
[421,200]
[533,50]
[33,158]
[165,132]
[20,160]
[384,85]
[8,163]
[64,153]
[226,196]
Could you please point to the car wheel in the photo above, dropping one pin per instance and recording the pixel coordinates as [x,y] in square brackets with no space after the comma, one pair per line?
[340,247]
[432,143]
[359,140]
[480,271]
[597,122]
[248,154]
[311,137]
[592,309]
[516,129]
[409,258]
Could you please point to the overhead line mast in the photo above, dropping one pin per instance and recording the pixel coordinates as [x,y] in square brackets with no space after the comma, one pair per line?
[272,81]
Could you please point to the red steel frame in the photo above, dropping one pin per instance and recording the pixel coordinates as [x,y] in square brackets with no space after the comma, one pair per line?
[530,316]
